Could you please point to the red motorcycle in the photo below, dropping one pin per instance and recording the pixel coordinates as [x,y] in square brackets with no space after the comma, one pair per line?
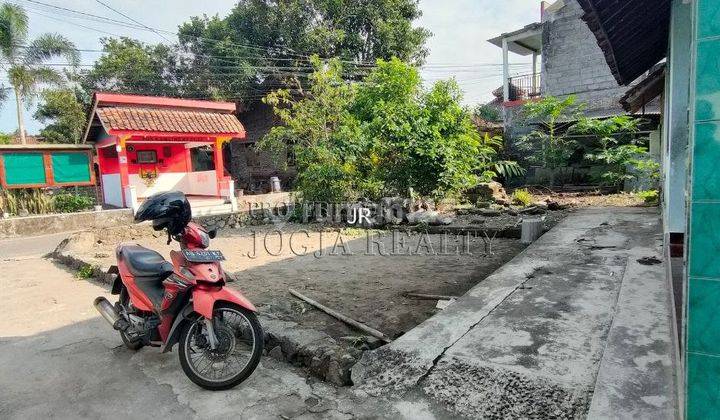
[184,302]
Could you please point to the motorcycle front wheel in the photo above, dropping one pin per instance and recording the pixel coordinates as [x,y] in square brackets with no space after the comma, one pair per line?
[236,354]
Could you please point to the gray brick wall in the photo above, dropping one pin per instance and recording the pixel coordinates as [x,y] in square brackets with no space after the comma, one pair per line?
[573,64]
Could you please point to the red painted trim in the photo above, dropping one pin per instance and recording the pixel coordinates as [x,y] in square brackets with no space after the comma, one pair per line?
[105,98]
[49,175]
[142,135]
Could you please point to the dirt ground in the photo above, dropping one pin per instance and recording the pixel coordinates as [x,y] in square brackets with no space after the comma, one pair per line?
[588,198]
[363,274]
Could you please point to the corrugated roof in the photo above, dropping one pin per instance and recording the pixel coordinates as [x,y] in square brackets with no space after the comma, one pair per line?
[633,34]
[168,120]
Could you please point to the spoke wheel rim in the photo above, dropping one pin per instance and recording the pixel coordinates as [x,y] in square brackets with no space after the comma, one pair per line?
[236,344]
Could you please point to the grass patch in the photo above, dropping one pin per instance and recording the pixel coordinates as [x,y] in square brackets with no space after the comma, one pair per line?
[522,196]
[86,272]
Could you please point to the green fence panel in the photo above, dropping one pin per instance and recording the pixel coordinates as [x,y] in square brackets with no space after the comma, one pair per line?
[70,167]
[24,168]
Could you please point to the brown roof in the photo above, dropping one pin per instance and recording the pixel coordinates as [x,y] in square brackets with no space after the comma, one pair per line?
[633,34]
[168,120]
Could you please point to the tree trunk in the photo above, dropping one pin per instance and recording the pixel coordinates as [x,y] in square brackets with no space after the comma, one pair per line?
[21,122]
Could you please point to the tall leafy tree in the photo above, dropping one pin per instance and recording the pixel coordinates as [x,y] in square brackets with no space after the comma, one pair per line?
[132,66]
[385,135]
[64,113]
[265,44]
[25,58]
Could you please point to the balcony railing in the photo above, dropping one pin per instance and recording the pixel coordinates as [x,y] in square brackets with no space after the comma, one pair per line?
[524,86]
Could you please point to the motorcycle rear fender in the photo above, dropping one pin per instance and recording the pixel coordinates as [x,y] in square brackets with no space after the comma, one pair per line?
[117,282]
[204,300]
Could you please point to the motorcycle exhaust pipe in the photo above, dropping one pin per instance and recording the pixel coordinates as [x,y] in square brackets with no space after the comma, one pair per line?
[107,310]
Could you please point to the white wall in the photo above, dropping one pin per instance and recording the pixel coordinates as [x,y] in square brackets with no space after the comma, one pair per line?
[196,183]
[112,190]
[164,182]
[202,183]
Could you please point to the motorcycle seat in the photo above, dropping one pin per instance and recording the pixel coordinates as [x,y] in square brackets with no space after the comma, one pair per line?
[143,262]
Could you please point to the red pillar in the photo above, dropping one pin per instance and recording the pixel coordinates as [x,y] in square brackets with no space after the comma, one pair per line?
[219,163]
[123,165]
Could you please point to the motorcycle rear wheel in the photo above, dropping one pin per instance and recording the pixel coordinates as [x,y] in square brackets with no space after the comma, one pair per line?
[205,366]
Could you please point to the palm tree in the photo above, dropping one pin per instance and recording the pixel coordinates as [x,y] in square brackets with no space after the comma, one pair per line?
[24,60]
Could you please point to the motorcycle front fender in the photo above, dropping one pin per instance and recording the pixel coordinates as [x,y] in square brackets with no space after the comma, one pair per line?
[204,300]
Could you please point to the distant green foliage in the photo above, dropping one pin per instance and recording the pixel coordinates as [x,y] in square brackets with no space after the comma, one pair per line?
[6,138]
[521,197]
[487,112]
[69,203]
[384,136]
[649,196]
[622,162]
[551,147]
[65,114]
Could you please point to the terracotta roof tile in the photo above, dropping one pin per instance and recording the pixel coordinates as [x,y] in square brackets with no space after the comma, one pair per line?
[168,120]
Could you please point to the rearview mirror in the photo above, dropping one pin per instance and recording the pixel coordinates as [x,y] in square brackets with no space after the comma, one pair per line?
[212,234]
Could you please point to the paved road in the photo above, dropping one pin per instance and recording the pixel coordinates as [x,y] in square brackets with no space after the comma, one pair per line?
[30,247]
[59,359]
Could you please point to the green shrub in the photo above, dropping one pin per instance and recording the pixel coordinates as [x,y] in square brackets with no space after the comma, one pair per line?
[522,197]
[69,203]
[86,271]
[649,196]
[34,200]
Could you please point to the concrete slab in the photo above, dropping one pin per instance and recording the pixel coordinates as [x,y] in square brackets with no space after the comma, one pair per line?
[636,377]
[59,359]
[527,341]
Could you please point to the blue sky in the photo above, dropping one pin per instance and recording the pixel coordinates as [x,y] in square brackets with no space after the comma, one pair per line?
[460,29]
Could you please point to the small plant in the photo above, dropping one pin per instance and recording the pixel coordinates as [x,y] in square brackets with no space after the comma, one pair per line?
[649,196]
[34,200]
[69,203]
[86,271]
[522,197]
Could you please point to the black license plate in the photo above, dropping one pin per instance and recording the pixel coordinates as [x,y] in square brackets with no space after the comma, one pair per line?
[201,256]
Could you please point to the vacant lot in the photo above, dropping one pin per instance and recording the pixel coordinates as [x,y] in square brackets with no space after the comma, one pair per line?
[363,274]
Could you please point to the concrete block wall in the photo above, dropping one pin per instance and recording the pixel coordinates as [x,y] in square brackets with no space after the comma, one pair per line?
[573,64]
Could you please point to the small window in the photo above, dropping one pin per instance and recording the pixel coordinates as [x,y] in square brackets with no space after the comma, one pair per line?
[146,156]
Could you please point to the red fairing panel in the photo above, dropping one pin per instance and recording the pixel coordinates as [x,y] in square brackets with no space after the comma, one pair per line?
[204,300]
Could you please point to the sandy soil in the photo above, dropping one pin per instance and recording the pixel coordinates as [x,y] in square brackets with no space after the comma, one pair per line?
[335,268]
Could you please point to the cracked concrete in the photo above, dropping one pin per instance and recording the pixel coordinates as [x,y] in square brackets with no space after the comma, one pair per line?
[528,341]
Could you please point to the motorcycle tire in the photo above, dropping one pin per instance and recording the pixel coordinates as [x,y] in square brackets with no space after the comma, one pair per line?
[249,368]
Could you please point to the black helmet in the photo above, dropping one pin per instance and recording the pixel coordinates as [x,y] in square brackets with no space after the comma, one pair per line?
[169,210]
